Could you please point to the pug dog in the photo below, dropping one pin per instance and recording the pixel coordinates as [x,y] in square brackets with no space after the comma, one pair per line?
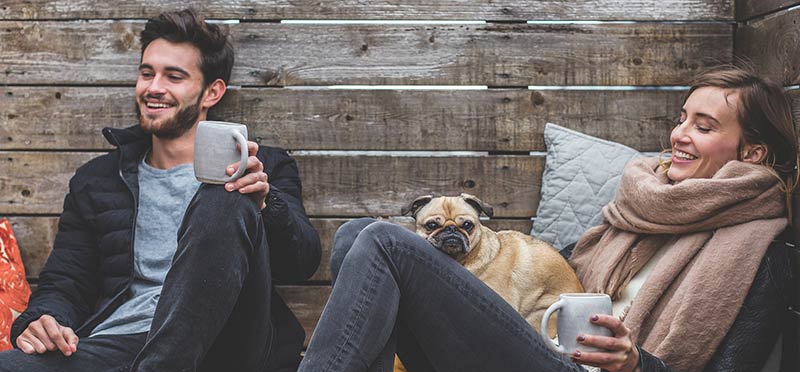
[526,272]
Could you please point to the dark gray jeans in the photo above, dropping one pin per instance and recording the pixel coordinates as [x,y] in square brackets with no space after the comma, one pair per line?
[394,291]
[214,310]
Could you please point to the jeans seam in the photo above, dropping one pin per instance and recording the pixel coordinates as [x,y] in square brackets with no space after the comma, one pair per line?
[350,327]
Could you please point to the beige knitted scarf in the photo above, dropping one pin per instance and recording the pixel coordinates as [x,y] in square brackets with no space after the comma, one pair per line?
[715,231]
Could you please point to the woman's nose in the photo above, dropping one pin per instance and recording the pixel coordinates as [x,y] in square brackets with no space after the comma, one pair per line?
[679,132]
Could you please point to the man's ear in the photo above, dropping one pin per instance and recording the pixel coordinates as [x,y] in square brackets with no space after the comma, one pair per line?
[213,93]
[754,154]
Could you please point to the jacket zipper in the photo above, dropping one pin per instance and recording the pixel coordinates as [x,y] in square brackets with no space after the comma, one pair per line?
[133,238]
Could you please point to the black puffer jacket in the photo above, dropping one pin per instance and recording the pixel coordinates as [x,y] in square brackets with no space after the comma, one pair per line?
[90,268]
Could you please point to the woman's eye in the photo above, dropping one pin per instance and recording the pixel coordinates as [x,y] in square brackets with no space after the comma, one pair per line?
[703,129]
[431,225]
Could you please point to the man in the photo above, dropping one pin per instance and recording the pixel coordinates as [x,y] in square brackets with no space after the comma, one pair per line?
[152,271]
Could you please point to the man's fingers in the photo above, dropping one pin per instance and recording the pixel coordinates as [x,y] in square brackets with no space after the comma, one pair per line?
[40,334]
[37,346]
[254,165]
[252,148]
[259,186]
[25,345]
[71,337]
[56,336]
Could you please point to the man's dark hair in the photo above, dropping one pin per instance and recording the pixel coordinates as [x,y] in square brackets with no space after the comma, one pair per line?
[186,26]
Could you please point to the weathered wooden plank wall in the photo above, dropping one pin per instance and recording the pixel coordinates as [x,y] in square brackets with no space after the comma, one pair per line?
[642,10]
[747,9]
[67,70]
[76,52]
[46,118]
[771,42]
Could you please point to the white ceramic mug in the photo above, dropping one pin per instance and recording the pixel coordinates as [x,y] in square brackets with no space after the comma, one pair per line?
[574,312]
[215,150]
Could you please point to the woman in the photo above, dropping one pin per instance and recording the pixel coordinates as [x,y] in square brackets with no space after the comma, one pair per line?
[686,250]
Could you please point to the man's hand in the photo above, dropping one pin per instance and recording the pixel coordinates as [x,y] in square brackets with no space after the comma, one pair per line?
[254,181]
[622,354]
[45,334]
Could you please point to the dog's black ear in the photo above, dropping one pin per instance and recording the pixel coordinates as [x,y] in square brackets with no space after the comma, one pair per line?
[413,207]
[478,204]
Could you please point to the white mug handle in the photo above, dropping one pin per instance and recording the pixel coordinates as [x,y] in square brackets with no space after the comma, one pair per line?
[545,319]
[245,154]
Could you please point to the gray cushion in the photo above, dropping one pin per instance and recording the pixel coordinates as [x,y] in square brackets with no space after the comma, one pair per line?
[580,177]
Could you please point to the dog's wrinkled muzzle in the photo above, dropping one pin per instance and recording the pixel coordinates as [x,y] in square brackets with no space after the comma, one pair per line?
[451,241]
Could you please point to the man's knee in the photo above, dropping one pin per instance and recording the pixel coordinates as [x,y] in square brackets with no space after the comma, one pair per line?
[215,208]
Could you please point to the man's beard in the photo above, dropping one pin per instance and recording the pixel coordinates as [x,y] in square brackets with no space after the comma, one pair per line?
[174,126]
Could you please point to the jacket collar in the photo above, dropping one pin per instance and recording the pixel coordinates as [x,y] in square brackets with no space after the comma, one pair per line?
[132,143]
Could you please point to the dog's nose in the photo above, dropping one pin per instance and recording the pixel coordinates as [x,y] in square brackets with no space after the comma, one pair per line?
[450,229]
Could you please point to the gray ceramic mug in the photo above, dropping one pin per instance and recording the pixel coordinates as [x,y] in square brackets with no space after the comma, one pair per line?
[574,312]
[215,150]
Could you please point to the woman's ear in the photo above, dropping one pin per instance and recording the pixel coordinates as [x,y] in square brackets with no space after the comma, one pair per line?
[754,154]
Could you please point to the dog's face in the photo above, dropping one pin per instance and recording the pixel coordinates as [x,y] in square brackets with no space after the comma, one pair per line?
[451,224]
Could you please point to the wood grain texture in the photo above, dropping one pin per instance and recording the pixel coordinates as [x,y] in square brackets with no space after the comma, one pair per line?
[794,96]
[772,45]
[746,9]
[70,118]
[78,53]
[380,10]
[36,182]
[35,236]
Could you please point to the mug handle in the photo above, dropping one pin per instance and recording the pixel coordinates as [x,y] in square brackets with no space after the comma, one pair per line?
[243,161]
[545,319]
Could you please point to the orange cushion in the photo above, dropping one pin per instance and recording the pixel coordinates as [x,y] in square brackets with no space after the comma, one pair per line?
[14,288]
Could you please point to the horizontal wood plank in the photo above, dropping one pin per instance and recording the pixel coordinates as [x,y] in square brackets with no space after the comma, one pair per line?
[771,44]
[746,9]
[381,10]
[70,118]
[36,182]
[35,236]
[290,54]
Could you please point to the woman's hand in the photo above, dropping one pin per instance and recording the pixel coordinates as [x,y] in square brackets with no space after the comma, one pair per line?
[622,354]
[254,181]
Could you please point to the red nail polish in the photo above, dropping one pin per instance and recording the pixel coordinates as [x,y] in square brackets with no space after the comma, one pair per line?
[577,354]
[595,318]
[581,338]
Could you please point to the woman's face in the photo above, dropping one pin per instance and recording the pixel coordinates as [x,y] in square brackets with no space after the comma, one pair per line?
[708,134]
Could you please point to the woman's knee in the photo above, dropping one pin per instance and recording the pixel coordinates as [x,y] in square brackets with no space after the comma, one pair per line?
[343,240]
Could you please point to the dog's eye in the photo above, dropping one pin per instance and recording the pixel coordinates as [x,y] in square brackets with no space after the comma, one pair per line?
[431,225]
[467,225]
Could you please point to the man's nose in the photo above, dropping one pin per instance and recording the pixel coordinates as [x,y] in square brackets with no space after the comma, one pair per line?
[155,88]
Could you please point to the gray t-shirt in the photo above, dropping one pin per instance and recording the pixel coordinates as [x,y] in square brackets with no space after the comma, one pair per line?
[163,198]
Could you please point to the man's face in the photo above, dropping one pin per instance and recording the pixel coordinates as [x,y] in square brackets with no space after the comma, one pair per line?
[169,88]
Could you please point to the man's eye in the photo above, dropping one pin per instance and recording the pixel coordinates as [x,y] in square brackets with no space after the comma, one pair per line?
[175,77]
[145,74]
[431,225]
